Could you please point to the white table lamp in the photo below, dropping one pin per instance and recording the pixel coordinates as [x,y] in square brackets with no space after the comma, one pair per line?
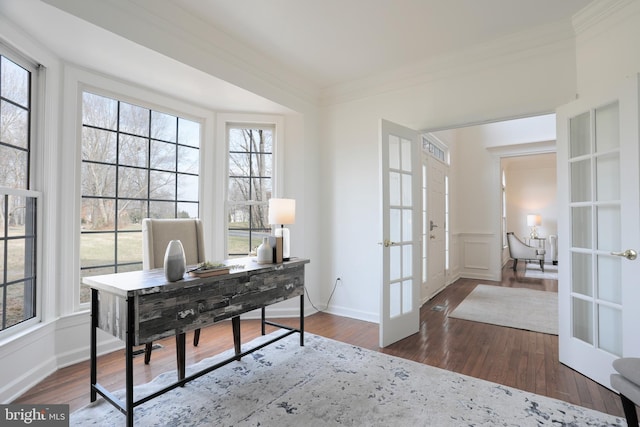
[282,212]
[533,221]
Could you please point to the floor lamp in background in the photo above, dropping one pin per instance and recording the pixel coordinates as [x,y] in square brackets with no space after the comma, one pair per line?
[283,212]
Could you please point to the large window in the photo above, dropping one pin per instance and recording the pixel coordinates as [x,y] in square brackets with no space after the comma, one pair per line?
[17,202]
[250,186]
[136,163]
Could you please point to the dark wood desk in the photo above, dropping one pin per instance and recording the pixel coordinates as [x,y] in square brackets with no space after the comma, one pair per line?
[141,306]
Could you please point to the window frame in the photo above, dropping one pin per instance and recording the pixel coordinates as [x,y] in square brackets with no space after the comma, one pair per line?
[34,144]
[224,120]
[121,136]
[76,80]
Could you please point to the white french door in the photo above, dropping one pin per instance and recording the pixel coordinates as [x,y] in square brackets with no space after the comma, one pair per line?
[401,230]
[599,231]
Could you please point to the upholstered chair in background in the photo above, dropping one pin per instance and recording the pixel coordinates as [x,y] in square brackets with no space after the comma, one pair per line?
[518,250]
[627,383]
[156,235]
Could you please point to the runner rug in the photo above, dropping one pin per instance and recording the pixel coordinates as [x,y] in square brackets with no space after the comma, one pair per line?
[328,383]
[519,308]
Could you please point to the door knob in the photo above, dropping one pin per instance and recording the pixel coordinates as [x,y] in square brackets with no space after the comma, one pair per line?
[432,226]
[387,243]
[629,254]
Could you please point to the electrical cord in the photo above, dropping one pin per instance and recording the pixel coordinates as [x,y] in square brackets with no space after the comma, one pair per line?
[335,285]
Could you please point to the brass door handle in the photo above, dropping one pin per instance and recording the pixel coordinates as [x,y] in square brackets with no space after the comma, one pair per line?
[629,254]
[387,243]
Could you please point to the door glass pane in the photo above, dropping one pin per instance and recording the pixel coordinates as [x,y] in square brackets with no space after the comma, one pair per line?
[406,155]
[579,138]
[407,260]
[607,128]
[583,320]
[608,218]
[581,274]
[395,263]
[407,228]
[395,225]
[609,279]
[407,296]
[394,189]
[581,181]
[406,189]
[581,227]
[394,152]
[395,299]
[608,178]
[610,329]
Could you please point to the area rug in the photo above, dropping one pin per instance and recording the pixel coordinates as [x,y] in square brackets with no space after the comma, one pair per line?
[519,308]
[328,383]
[535,272]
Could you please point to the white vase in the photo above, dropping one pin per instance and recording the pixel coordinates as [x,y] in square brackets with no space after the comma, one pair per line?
[175,263]
[265,252]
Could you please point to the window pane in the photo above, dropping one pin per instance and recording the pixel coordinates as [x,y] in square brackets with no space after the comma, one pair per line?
[14,164]
[188,133]
[99,111]
[187,187]
[14,126]
[162,210]
[163,126]
[98,180]
[188,160]
[97,214]
[133,151]
[129,245]
[580,134]
[163,156]
[134,119]
[132,183]
[98,145]
[131,213]
[14,83]
[97,249]
[162,185]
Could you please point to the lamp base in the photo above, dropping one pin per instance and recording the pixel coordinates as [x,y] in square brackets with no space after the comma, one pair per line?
[284,233]
[534,233]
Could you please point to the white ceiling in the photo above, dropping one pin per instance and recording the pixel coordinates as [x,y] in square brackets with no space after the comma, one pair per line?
[323,42]
[337,41]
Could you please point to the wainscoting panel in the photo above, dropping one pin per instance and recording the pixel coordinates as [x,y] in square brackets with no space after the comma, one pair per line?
[480,256]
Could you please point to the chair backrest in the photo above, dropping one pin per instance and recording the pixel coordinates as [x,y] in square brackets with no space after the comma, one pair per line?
[157,233]
[519,249]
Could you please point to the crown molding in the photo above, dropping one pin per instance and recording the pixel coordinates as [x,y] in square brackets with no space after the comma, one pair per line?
[164,27]
[546,39]
[599,12]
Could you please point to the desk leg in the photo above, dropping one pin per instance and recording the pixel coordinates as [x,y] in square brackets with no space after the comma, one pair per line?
[264,315]
[94,327]
[129,359]
[235,325]
[302,320]
[181,355]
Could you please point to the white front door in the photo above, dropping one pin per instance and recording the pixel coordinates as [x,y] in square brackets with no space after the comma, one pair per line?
[598,229]
[401,230]
[435,228]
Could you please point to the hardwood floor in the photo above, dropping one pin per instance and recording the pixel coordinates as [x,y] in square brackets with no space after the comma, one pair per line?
[521,359]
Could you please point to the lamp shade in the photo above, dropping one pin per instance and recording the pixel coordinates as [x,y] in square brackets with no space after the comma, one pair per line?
[534,220]
[282,211]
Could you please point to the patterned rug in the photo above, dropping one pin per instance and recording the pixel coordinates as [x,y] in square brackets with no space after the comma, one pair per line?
[519,308]
[328,383]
